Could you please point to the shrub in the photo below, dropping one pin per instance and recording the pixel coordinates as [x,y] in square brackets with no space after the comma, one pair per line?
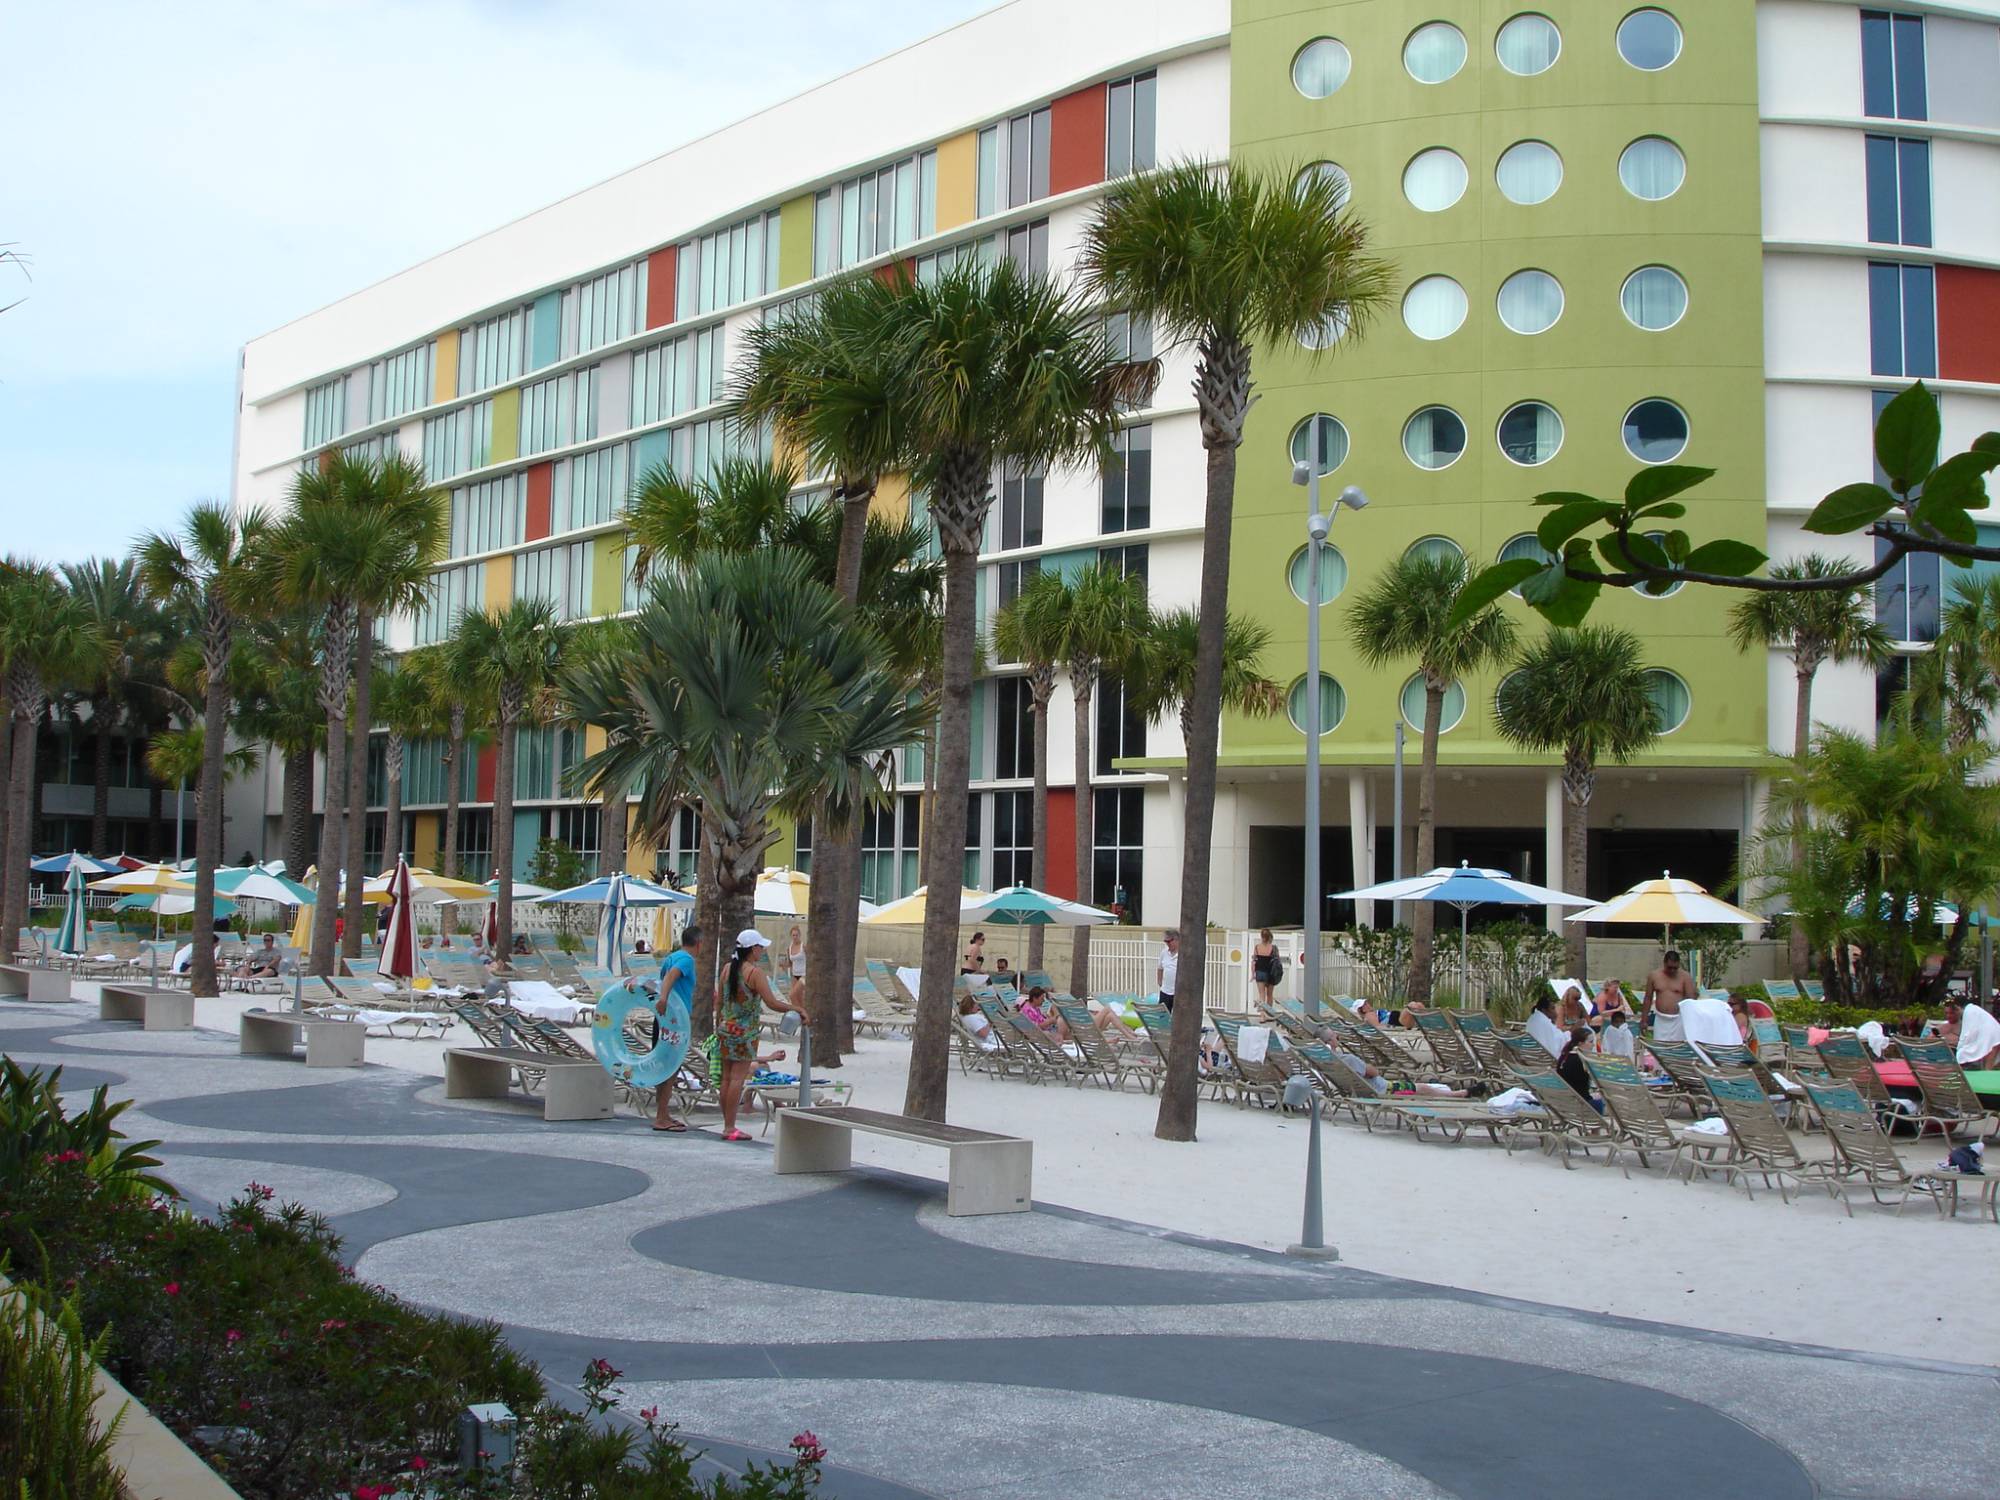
[50,1440]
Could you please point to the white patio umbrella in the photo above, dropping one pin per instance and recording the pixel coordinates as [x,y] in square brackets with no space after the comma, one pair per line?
[611,926]
[398,958]
[1464,887]
[63,864]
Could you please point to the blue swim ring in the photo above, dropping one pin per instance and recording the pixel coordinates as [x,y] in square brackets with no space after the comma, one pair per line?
[614,1049]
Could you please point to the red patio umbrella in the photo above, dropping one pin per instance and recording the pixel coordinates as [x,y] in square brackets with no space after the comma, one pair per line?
[399,945]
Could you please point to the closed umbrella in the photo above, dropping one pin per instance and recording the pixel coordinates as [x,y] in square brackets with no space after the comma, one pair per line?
[1465,887]
[611,927]
[73,937]
[398,959]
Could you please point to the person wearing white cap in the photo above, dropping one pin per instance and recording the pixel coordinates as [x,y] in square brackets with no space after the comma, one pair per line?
[739,1018]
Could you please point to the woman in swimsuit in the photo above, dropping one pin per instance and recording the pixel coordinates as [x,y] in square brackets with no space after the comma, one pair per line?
[744,993]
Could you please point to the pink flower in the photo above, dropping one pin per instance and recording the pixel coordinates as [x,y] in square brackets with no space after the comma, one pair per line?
[649,1414]
[234,1336]
[332,1323]
[172,1289]
[243,1406]
[419,1463]
[809,1449]
[601,1369]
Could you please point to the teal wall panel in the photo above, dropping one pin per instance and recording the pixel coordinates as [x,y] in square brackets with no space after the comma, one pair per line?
[546,326]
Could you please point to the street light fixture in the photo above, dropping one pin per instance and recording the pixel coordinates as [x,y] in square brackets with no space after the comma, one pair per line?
[1318,525]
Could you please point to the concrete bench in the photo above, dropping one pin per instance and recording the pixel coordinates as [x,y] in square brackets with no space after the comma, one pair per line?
[573,1088]
[26,982]
[329,1044]
[987,1174]
[156,1010]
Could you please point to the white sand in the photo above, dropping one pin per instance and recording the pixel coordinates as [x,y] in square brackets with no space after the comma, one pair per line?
[1465,1216]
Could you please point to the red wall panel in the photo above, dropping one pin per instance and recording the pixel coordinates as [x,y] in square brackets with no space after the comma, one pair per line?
[541,485]
[1076,140]
[660,281]
[1968,314]
[484,776]
[1062,843]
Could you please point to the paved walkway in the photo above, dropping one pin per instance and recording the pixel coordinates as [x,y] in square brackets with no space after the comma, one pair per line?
[1045,1354]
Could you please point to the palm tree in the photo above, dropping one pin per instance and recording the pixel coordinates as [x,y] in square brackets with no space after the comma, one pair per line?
[1160,677]
[1816,628]
[1407,613]
[514,655]
[593,647]
[1956,684]
[1581,694]
[749,688]
[361,536]
[209,571]
[460,707]
[992,365]
[278,705]
[1224,258]
[403,705]
[47,639]
[1029,630]
[821,379]
[131,628]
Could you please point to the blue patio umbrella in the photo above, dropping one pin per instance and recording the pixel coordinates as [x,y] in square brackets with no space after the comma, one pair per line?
[63,864]
[1465,887]
[74,936]
[611,927]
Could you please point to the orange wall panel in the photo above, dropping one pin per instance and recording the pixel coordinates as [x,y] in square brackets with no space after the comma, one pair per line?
[541,487]
[661,267]
[1968,314]
[958,180]
[1062,843]
[484,774]
[1076,140]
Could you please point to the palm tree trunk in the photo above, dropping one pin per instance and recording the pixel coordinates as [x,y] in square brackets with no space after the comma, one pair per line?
[1579,780]
[503,832]
[392,821]
[944,846]
[336,658]
[822,989]
[454,764]
[1038,859]
[20,787]
[1223,391]
[1422,927]
[7,801]
[357,784]
[100,778]
[611,832]
[708,916]
[1079,953]
[1800,954]
[296,839]
[208,803]
[847,936]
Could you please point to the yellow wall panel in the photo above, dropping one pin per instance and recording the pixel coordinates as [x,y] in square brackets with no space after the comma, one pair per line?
[593,739]
[499,591]
[444,367]
[424,831]
[506,424]
[639,853]
[892,497]
[958,180]
[795,241]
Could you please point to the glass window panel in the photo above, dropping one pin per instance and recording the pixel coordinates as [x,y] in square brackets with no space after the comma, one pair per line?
[1038,178]
[1434,52]
[1913,175]
[1332,705]
[1884,220]
[1652,168]
[927,195]
[1670,698]
[1654,298]
[1332,573]
[1320,440]
[1530,301]
[1885,319]
[1331,172]
[1434,308]
[1649,39]
[906,203]
[1320,67]
[1878,65]
[1020,160]
[1919,322]
[1528,44]
[1529,172]
[1414,705]
[1434,179]
[1118,129]
[989,171]
[1911,100]
[1530,433]
[1655,431]
[1434,438]
[1145,109]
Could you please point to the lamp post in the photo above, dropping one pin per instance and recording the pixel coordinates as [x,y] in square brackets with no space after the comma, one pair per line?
[1317,527]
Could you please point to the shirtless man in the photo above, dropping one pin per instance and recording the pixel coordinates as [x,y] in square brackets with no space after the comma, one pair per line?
[1666,987]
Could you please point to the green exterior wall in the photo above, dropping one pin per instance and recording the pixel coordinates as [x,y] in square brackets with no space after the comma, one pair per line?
[1592,366]
[795,241]
[506,425]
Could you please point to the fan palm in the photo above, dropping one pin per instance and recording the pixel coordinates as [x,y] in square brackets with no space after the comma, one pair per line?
[991,365]
[1581,694]
[210,571]
[591,647]
[1029,630]
[749,688]
[1956,684]
[1407,614]
[462,709]
[1224,258]
[515,657]
[278,705]
[359,540]
[131,627]
[406,709]
[1815,628]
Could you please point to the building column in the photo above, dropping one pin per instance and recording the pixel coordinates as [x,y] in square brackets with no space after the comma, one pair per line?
[1361,836]
[1552,843]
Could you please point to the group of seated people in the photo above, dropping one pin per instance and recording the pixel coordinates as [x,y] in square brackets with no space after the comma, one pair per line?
[1036,1006]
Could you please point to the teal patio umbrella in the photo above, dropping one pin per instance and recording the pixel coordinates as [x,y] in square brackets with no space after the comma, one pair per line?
[73,938]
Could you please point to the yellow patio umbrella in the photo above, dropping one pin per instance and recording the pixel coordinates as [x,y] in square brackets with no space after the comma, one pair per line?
[909,912]
[147,880]
[426,887]
[1668,903]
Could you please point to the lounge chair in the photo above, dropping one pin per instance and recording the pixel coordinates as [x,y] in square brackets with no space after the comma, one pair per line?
[1847,1058]
[1949,1101]
[1103,1059]
[1456,1061]
[1781,989]
[1684,1065]
[1571,1121]
[1761,1147]
[1633,1112]
[1814,991]
[1021,1054]
[1862,1149]
[1265,1078]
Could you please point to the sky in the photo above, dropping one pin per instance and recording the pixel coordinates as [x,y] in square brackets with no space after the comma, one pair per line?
[217,169]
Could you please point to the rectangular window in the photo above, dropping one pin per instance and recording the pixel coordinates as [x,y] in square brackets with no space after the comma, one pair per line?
[726,267]
[589,489]
[989,171]
[326,412]
[875,214]
[475,842]
[1131,562]
[459,441]
[487,517]
[493,352]
[1013,575]
[1028,247]
[1129,337]
[578,828]
[1902,320]
[1121,729]
[676,377]
[1908,596]
[556,413]
[975,841]
[1130,107]
[1118,847]
[1013,838]
[605,309]
[560,575]
[1013,729]
[400,383]
[1893,85]
[1128,483]
[1899,191]
[982,250]
[452,592]
[1020,509]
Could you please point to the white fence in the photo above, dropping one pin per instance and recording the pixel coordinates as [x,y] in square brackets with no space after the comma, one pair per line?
[1128,965]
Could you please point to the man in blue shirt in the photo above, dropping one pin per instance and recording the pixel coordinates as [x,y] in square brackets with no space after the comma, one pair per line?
[677,971]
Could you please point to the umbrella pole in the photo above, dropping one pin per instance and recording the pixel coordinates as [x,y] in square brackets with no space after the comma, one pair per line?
[1464,973]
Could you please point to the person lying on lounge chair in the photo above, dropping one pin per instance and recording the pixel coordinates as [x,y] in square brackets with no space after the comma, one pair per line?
[1543,1028]
[1572,1009]
[976,1023]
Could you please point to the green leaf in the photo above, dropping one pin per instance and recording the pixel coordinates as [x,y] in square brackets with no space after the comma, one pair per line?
[1850,508]
[1906,437]
[1729,557]
[1490,585]
[1663,480]
[1666,510]
[1538,590]
[1960,481]
[1559,525]
[1677,546]
[1986,442]
[1637,549]
[1566,497]
[1950,522]
[1570,601]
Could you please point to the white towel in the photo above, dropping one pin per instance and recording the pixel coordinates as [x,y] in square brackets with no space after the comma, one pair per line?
[1513,1100]
[1545,1031]
[1871,1033]
[1706,1020]
[1978,1034]
[1708,1127]
[1253,1043]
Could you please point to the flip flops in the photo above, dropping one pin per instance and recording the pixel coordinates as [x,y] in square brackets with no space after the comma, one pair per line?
[672,1127]
[735,1135]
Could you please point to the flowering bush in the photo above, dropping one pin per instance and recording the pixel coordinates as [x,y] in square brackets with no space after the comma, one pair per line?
[248,1337]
